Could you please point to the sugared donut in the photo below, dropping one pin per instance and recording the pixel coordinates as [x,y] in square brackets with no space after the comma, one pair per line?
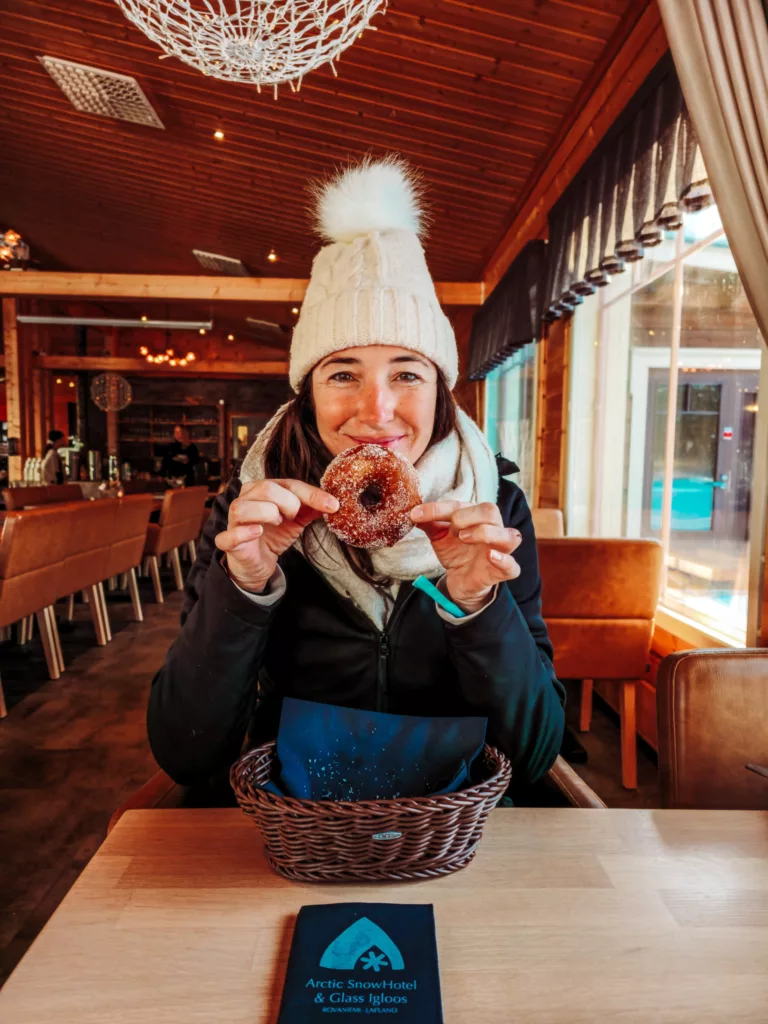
[376,488]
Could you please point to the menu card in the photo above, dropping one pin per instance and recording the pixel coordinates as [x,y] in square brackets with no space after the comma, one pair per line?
[350,961]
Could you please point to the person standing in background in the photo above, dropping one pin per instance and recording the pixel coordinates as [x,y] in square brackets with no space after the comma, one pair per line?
[181,457]
[53,467]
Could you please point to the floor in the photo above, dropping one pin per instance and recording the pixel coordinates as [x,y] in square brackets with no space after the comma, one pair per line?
[72,750]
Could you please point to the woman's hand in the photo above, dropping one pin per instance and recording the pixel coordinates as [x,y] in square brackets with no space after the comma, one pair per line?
[266,518]
[473,546]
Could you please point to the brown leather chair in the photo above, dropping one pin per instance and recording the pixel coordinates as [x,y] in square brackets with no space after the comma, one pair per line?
[548,522]
[712,713]
[32,547]
[179,523]
[128,536]
[17,498]
[599,598]
[153,486]
[88,528]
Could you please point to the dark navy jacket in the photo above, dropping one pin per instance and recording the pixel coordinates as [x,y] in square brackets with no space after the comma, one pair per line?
[315,644]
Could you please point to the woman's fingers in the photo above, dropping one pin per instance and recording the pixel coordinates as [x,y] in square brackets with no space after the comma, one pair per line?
[500,538]
[476,515]
[504,566]
[229,540]
[271,501]
[434,511]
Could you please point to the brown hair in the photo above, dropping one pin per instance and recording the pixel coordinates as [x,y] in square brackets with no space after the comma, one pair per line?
[296,451]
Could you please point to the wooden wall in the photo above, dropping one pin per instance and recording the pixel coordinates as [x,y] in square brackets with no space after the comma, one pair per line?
[552,416]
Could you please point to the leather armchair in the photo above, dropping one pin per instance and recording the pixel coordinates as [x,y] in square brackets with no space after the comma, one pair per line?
[599,599]
[712,712]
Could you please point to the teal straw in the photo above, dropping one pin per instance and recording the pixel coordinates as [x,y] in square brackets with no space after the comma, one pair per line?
[423,584]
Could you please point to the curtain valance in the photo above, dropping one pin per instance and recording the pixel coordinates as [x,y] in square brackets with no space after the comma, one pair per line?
[635,186]
[511,317]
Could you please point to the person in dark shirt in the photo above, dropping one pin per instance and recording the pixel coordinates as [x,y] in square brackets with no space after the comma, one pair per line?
[181,457]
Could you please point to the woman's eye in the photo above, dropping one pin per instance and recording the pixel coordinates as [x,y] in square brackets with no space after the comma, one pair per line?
[407,377]
[342,377]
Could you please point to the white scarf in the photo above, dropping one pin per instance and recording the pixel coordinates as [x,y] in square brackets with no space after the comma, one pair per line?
[462,467]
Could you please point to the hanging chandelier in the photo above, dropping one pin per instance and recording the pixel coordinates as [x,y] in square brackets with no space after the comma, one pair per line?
[263,42]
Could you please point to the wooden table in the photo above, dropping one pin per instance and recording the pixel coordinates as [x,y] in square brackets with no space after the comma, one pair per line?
[577,916]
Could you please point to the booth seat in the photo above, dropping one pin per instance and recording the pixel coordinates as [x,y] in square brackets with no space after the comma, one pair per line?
[16,498]
[712,717]
[599,599]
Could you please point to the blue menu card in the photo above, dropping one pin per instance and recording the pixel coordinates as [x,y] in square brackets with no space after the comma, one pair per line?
[355,961]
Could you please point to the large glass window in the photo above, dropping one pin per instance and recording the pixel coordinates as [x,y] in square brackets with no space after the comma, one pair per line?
[672,411]
[510,397]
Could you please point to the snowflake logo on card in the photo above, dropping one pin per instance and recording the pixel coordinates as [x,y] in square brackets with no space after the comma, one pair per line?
[362,942]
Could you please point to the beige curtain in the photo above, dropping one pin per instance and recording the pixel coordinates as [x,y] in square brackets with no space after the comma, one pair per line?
[720,48]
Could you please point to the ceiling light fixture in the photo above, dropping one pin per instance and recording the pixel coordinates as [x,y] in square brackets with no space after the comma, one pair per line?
[230,337]
[218,135]
[272,257]
[261,42]
[295,310]
[97,321]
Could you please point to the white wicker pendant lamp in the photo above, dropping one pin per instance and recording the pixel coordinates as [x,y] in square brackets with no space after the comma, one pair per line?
[263,42]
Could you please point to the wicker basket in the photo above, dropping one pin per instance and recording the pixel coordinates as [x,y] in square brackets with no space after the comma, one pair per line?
[374,840]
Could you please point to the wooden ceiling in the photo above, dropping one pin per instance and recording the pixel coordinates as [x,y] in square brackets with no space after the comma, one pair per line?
[477,95]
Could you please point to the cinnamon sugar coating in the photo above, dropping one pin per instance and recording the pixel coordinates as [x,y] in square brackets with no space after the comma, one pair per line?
[376,489]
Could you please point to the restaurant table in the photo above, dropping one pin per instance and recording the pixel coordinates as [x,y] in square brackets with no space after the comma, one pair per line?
[565,915]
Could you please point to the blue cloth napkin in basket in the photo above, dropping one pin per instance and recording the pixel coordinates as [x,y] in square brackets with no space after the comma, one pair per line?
[326,752]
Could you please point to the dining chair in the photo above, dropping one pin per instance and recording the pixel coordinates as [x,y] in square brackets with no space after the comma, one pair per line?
[179,523]
[712,714]
[599,599]
[547,522]
[17,498]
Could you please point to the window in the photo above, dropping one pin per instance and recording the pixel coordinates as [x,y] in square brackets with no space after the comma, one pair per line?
[510,398]
[666,366]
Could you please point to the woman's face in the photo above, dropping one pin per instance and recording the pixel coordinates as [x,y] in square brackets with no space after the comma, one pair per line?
[376,394]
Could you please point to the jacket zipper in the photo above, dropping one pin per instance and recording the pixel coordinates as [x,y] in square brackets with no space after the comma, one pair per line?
[384,651]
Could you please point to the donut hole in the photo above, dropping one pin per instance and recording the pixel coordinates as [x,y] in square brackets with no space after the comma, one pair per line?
[371,496]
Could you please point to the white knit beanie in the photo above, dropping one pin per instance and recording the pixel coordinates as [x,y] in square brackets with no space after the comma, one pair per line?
[371,285]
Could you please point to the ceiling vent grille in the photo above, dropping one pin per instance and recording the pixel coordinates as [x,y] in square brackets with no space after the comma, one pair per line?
[222,264]
[94,91]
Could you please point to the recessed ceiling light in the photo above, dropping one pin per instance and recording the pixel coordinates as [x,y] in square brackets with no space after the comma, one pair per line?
[144,319]
[202,330]
[71,383]
[295,310]
[230,337]
[218,135]
[272,257]
[58,380]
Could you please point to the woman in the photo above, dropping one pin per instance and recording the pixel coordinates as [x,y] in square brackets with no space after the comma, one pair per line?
[53,469]
[274,603]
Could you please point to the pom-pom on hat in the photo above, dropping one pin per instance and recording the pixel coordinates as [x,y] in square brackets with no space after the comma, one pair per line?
[371,285]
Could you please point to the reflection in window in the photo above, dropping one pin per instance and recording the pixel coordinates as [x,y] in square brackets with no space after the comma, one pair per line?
[510,395]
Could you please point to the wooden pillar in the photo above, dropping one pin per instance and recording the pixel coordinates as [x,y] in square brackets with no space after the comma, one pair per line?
[552,416]
[13,387]
[112,423]
[38,412]
[223,443]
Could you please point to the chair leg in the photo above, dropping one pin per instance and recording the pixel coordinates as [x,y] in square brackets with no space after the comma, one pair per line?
[84,595]
[154,569]
[133,587]
[21,632]
[70,607]
[192,550]
[97,615]
[124,581]
[30,627]
[46,626]
[176,564]
[104,611]
[56,637]
[585,712]
[112,584]
[628,735]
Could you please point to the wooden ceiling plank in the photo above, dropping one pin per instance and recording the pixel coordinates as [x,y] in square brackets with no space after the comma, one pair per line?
[636,58]
[410,137]
[200,287]
[568,16]
[494,63]
[100,129]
